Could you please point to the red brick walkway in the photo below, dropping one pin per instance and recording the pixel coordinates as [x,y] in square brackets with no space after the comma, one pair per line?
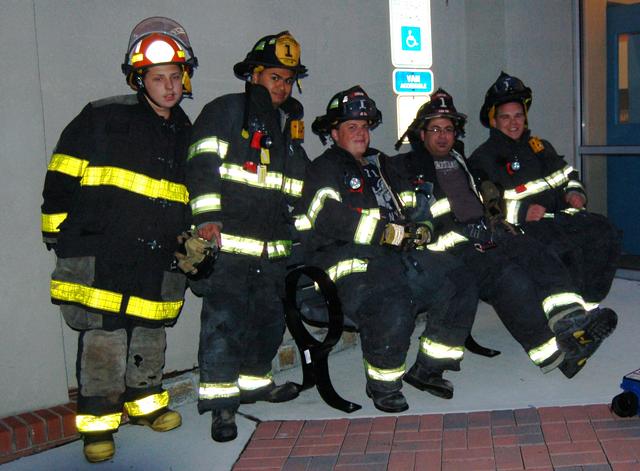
[589,438]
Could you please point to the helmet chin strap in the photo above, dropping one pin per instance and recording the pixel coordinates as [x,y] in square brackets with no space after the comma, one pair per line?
[141,88]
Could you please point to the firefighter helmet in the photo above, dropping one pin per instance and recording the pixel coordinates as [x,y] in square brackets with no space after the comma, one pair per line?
[278,51]
[440,105]
[353,103]
[154,41]
[505,89]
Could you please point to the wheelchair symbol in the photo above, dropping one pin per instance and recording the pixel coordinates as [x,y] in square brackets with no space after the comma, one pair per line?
[410,38]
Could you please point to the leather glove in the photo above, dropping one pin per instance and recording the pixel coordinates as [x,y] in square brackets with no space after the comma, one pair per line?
[193,251]
[406,236]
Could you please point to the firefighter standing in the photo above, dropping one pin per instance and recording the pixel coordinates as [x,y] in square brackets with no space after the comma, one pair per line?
[114,203]
[542,194]
[511,269]
[244,173]
[364,237]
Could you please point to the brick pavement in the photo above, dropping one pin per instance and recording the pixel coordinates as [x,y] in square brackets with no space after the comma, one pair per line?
[575,438]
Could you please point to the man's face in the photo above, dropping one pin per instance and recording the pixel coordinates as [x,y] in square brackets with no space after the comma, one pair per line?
[278,81]
[438,136]
[164,85]
[510,120]
[352,136]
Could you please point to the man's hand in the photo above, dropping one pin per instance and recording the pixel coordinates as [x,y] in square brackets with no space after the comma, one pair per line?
[211,232]
[575,200]
[535,212]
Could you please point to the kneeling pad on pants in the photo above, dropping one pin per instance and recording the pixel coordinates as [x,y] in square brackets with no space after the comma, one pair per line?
[103,357]
[146,357]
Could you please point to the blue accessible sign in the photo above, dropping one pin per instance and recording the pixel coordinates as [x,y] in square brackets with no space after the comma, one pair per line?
[412,81]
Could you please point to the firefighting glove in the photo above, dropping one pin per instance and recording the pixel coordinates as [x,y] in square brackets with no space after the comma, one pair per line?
[193,252]
[493,205]
[406,236]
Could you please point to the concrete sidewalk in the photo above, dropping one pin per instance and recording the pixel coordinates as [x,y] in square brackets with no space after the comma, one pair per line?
[507,382]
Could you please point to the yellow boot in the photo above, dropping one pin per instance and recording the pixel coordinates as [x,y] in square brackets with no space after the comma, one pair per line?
[161,420]
[98,446]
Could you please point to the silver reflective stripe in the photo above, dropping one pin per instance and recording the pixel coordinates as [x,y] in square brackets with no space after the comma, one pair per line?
[317,203]
[512,210]
[279,248]
[302,223]
[439,350]
[408,199]
[543,352]
[366,228]
[555,180]
[209,144]
[346,267]
[249,383]
[550,303]
[218,390]
[447,241]
[235,173]
[382,374]
[440,207]
[205,203]
[292,186]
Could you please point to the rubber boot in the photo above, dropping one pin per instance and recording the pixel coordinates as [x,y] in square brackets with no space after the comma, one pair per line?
[271,393]
[161,420]
[223,425]
[386,395]
[98,446]
[580,333]
[429,380]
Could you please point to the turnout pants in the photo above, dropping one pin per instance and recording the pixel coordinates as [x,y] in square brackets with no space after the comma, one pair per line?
[242,324]
[589,246]
[119,363]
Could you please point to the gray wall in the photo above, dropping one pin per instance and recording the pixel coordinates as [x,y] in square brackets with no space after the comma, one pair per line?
[59,55]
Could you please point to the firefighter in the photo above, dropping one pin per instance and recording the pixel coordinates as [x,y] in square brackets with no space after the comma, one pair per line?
[529,288]
[244,174]
[114,204]
[542,193]
[365,229]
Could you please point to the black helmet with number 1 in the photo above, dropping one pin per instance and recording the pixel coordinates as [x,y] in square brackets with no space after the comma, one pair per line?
[277,51]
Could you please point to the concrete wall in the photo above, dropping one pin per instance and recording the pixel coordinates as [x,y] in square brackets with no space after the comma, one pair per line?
[64,54]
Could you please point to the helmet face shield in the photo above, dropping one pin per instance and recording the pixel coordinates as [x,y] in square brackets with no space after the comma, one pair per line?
[154,41]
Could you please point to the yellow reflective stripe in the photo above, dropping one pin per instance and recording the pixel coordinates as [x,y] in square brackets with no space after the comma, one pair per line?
[382,374]
[346,267]
[68,165]
[51,222]
[218,390]
[205,203]
[302,223]
[98,423]
[279,248]
[317,203]
[153,310]
[209,144]
[573,184]
[446,241]
[440,207]
[250,383]
[543,352]
[439,350]
[408,199]
[512,208]
[135,183]
[373,212]
[86,296]
[366,228]
[235,173]
[550,303]
[147,405]
[292,186]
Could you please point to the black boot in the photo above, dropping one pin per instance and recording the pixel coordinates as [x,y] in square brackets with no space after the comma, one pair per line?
[223,425]
[386,395]
[271,393]
[429,380]
[580,333]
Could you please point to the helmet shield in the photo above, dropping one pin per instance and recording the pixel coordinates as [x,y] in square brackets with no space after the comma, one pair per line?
[277,51]
[159,24]
[353,103]
[505,89]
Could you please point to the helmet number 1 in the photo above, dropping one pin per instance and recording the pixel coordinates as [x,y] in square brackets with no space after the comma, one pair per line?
[288,48]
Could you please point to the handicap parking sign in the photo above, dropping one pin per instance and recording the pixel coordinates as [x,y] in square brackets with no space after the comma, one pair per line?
[410,36]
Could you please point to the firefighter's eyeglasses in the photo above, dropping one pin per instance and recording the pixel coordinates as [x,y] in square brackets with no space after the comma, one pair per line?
[439,130]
